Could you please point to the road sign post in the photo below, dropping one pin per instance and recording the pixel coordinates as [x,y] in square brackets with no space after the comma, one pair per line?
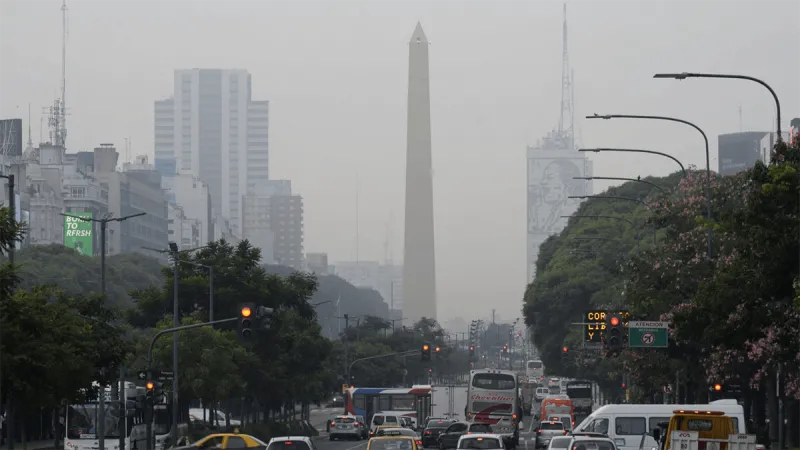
[644,334]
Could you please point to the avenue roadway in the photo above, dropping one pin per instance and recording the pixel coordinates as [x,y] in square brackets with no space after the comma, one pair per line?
[323,443]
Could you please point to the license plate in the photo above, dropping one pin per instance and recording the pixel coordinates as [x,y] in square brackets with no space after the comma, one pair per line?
[341,427]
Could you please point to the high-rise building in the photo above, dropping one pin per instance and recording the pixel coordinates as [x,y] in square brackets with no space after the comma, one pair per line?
[212,128]
[285,219]
[317,263]
[740,151]
[256,206]
[419,256]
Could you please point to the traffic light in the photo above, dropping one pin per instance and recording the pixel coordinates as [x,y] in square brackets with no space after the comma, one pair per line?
[471,351]
[614,332]
[246,312]
[717,387]
[149,394]
[426,352]
[438,352]
[505,348]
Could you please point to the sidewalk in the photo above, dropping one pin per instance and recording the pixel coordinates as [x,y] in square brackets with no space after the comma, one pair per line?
[31,445]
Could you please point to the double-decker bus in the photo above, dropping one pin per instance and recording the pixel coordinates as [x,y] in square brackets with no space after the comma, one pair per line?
[413,402]
[493,398]
[534,371]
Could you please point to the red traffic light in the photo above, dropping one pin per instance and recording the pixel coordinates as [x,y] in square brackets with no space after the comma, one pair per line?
[623,386]
[614,321]
[717,387]
[564,349]
[246,312]
[472,347]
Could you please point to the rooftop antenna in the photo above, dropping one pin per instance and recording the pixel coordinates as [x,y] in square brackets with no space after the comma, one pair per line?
[357,217]
[63,118]
[30,140]
[740,119]
[565,121]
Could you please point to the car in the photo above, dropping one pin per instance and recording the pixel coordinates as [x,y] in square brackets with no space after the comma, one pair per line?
[449,437]
[435,427]
[345,427]
[480,441]
[225,441]
[398,431]
[392,443]
[559,443]
[547,430]
[291,443]
[591,442]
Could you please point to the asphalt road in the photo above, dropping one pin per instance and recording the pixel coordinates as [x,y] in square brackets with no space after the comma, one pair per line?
[526,440]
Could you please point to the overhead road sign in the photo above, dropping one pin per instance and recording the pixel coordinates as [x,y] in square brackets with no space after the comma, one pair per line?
[644,334]
[594,323]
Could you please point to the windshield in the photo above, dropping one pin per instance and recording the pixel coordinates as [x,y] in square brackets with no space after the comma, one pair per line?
[345,420]
[551,426]
[593,445]
[391,444]
[494,381]
[579,390]
[560,442]
[82,421]
[288,445]
[480,428]
[479,443]
[534,364]
[439,424]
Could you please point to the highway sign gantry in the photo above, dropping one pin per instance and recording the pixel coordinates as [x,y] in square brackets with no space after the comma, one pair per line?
[644,334]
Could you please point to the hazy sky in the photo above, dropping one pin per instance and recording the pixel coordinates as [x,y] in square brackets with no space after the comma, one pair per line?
[336,73]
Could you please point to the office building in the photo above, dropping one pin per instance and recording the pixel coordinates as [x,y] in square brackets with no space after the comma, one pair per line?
[213,129]
[285,219]
[387,279]
[317,263]
[192,196]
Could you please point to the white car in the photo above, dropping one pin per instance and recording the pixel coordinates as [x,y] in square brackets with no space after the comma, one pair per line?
[291,443]
[480,441]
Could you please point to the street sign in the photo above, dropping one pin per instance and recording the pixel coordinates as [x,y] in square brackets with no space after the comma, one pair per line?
[164,376]
[594,324]
[142,375]
[643,334]
[344,388]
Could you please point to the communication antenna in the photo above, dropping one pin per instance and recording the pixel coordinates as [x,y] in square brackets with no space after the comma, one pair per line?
[63,109]
[565,120]
[740,119]
[30,140]
[357,217]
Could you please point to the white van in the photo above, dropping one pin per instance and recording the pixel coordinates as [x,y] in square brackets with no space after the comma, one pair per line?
[380,419]
[625,424]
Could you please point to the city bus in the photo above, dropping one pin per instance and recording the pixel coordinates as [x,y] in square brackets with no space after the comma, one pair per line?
[493,398]
[534,371]
[580,392]
[413,402]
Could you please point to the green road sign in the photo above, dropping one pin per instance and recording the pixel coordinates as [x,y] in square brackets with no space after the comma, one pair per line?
[643,334]
[78,233]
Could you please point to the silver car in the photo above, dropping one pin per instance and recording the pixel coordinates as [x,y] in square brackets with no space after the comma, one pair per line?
[345,427]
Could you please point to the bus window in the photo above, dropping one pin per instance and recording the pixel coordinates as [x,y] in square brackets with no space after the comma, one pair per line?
[498,381]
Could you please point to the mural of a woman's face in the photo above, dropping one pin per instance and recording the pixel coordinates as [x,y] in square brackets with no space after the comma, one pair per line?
[557,181]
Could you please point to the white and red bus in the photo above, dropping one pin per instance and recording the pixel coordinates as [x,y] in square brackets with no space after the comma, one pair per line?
[413,402]
[493,398]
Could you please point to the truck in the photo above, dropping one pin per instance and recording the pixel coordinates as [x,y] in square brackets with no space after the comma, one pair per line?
[449,402]
[702,430]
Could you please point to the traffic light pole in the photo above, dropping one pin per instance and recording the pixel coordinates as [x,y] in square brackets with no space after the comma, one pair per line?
[149,425]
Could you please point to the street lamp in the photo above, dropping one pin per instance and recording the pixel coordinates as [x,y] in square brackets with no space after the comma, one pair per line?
[635,150]
[176,322]
[101,429]
[615,197]
[685,75]
[708,157]
[635,180]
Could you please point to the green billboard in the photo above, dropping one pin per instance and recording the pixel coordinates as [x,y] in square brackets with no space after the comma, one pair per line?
[78,234]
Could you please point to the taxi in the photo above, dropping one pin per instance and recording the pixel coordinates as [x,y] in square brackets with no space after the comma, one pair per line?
[382,427]
[399,431]
[392,443]
[223,441]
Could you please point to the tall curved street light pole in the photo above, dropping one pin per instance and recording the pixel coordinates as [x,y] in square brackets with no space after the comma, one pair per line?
[635,150]
[708,157]
[635,180]
[685,75]
[615,197]
[629,222]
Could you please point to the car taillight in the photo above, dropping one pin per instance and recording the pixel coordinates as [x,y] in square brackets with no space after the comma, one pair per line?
[538,431]
[428,432]
[565,432]
[419,442]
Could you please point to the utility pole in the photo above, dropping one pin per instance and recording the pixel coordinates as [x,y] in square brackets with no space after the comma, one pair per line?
[174,252]
[101,426]
[9,425]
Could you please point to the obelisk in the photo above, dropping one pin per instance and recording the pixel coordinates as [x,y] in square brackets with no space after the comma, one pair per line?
[419,260]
